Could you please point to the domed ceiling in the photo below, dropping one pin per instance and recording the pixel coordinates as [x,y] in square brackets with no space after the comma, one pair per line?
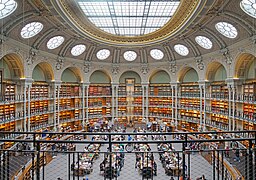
[128,22]
[115,31]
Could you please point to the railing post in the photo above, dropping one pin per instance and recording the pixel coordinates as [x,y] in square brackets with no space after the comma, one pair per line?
[222,165]
[110,155]
[184,156]
[250,161]
[8,165]
[213,164]
[38,161]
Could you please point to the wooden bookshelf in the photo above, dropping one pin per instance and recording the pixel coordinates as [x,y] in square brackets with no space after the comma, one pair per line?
[37,121]
[219,90]
[99,102]
[39,90]
[9,92]
[219,106]
[159,90]
[100,90]
[69,90]
[220,121]
[190,90]
[249,91]
[7,112]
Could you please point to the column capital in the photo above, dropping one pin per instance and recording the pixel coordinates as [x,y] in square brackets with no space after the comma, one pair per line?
[232,82]
[144,83]
[174,84]
[56,83]
[115,83]
[27,81]
[84,84]
[203,83]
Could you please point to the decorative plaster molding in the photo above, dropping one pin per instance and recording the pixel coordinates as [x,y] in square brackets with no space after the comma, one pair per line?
[59,63]
[199,62]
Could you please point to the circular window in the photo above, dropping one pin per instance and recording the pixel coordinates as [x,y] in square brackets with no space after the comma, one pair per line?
[103,54]
[249,7]
[7,7]
[181,49]
[226,29]
[55,42]
[78,49]
[204,42]
[130,55]
[31,29]
[156,54]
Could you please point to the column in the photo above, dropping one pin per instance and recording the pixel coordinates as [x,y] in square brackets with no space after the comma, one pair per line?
[114,100]
[87,103]
[232,91]
[172,95]
[27,84]
[175,87]
[56,94]
[83,88]
[231,104]
[202,90]
[145,100]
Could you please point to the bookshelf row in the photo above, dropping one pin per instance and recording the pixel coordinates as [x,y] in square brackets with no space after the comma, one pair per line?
[130,103]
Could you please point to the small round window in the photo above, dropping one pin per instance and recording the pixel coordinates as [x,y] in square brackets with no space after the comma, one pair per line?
[156,54]
[31,29]
[55,42]
[103,54]
[181,49]
[130,55]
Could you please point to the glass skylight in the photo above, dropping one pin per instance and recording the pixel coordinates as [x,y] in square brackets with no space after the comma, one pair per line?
[103,54]
[31,29]
[204,42]
[7,7]
[129,18]
[55,42]
[156,54]
[181,49]
[226,29]
[130,55]
[78,49]
[249,6]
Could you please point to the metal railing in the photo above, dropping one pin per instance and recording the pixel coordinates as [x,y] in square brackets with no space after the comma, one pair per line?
[158,155]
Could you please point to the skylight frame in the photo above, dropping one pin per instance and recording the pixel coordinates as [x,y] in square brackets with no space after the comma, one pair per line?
[156,54]
[249,7]
[226,29]
[78,49]
[111,16]
[103,54]
[130,55]
[9,7]
[181,49]
[204,42]
[55,42]
[31,29]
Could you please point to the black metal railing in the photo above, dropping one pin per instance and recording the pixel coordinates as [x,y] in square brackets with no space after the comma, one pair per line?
[143,155]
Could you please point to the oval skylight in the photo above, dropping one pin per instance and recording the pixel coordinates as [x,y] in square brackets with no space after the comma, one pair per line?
[130,55]
[55,42]
[226,29]
[249,7]
[31,29]
[7,7]
[181,49]
[129,18]
[103,54]
[156,54]
[204,42]
[78,49]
